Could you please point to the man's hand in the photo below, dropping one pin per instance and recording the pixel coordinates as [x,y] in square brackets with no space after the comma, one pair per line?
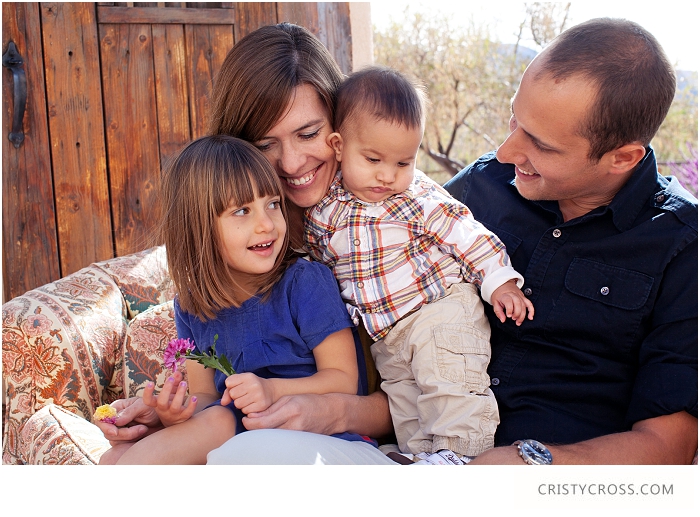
[248,392]
[306,412]
[509,302]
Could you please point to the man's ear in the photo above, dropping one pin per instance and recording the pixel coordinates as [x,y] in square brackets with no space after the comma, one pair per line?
[625,158]
[335,141]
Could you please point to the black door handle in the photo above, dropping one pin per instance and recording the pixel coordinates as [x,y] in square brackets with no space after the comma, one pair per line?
[12,60]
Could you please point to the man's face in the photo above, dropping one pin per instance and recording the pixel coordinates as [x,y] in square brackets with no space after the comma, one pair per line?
[549,154]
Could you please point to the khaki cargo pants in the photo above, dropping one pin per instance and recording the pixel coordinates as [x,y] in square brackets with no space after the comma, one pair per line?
[433,368]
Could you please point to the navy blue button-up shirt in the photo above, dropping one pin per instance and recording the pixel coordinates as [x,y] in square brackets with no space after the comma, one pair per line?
[615,338]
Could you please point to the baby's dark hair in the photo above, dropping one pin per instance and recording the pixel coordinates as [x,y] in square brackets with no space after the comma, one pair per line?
[207,177]
[383,93]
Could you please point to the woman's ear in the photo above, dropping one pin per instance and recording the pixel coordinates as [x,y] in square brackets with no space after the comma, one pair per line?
[626,158]
[335,141]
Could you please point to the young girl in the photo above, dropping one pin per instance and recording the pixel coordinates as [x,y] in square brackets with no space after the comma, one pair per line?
[279,319]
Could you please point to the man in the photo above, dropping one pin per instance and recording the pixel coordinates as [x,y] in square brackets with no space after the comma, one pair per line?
[607,370]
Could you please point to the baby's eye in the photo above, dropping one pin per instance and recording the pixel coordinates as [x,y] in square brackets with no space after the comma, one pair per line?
[403,164]
[372,160]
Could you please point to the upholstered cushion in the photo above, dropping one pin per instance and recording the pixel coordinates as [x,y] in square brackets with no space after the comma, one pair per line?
[55,436]
[146,339]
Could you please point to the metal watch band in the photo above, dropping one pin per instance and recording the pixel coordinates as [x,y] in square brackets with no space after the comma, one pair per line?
[533,452]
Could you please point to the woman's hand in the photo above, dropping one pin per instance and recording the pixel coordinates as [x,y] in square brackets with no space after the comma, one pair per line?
[135,420]
[248,392]
[171,408]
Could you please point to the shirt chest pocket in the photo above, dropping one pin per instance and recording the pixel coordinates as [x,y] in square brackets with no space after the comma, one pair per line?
[609,285]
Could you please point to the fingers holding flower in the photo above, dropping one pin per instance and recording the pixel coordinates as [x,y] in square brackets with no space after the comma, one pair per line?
[172,404]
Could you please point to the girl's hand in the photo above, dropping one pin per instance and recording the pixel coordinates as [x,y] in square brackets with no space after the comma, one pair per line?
[171,408]
[509,302]
[249,392]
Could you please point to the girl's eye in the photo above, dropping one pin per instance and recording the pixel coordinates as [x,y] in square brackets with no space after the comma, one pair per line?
[241,211]
[310,136]
[275,205]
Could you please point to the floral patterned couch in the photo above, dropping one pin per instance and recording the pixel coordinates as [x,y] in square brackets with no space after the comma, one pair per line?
[72,345]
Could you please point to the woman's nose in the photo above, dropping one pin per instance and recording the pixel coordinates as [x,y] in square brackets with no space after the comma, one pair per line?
[290,160]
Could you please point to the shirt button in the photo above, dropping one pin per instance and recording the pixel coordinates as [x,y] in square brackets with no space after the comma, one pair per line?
[556,233]
[604,291]
[360,285]
[527,291]
[356,242]
[660,198]
[495,381]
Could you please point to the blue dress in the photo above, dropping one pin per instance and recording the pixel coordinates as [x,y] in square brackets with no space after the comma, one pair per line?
[275,336]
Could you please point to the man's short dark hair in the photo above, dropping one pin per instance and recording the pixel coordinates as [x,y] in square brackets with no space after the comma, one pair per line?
[383,93]
[636,82]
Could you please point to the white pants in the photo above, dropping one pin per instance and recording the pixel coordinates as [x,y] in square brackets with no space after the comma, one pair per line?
[284,447]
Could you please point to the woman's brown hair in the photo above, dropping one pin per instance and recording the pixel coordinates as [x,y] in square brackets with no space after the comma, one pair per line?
[260,74]
[209,175]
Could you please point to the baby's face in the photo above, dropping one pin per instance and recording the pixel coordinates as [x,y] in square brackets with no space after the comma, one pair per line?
[378,158]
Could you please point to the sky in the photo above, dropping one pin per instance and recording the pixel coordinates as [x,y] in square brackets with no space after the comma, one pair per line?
[675,24]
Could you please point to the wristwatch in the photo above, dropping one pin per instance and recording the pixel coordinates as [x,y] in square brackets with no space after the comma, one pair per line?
[533,452]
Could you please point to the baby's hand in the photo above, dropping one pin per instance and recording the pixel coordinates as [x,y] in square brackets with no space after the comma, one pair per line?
[249,393]
[509,302]
[171,408]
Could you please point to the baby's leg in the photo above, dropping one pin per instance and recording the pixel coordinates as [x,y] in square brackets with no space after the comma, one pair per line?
[187,443]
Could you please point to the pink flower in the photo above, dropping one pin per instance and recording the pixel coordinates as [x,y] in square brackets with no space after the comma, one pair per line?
[176,353]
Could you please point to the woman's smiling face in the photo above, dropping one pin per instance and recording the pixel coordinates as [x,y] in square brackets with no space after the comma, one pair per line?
[296,147]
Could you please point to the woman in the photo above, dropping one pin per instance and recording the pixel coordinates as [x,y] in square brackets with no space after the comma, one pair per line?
[276,89]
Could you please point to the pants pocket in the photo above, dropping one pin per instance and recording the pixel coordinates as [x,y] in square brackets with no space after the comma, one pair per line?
[462,356]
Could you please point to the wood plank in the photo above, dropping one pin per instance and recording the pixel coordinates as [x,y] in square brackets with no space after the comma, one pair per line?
[132,131]
[334,32]
[77,134]
[207,46]
[171,89]
[165,15]
[299,13]
[29,238]
[253,15]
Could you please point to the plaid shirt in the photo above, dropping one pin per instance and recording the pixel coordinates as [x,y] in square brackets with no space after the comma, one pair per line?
[394,256]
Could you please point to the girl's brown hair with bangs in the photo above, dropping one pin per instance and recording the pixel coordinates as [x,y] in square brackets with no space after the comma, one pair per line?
[204,179]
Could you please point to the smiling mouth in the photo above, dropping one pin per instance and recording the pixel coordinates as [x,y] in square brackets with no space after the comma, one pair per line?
[525,173]
[297,182]
[260,247]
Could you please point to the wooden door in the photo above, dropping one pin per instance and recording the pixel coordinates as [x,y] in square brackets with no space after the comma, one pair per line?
[113,90]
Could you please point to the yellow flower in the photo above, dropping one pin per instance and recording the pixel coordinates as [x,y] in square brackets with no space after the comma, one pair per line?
[105,413]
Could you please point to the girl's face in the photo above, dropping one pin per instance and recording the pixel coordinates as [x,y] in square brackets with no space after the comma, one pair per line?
[297,149]
[252,235]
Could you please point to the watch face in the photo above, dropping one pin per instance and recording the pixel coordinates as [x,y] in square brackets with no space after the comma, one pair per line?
[536,453]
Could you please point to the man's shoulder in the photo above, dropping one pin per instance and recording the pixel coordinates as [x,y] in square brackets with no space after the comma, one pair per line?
[673,197]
